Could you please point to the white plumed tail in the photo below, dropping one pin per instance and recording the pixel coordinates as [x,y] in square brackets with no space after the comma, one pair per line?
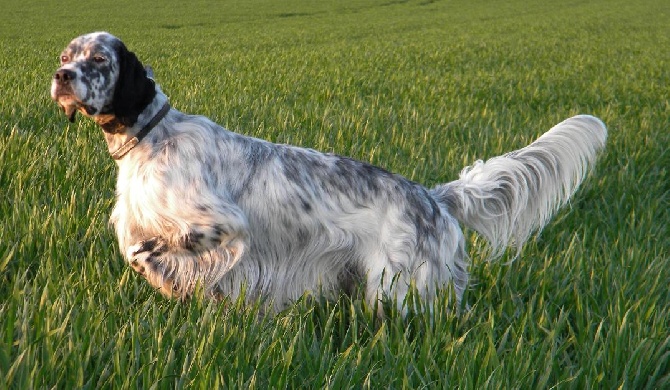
[507,198]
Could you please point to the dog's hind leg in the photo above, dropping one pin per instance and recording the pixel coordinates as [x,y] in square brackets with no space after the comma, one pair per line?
[395,267]
[391,271]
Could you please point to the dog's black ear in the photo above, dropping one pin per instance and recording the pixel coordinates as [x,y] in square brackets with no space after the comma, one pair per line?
[134,90]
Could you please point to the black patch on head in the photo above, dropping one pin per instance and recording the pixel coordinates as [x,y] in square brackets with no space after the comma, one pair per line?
[134,90]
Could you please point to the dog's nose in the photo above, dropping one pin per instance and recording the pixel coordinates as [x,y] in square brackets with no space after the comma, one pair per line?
[64,75]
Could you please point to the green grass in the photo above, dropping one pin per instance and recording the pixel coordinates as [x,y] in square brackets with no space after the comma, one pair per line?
[419,87]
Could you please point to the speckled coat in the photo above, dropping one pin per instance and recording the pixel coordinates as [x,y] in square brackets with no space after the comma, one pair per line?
[198,204]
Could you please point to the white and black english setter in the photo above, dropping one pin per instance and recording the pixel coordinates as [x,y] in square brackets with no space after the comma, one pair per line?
[198,204]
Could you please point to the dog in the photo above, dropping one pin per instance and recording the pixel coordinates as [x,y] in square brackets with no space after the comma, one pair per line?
[198,205]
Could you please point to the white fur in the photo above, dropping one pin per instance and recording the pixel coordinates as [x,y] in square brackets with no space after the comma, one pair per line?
[199,204]
[509,197]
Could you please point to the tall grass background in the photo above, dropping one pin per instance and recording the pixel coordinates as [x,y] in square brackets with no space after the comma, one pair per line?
[418,87]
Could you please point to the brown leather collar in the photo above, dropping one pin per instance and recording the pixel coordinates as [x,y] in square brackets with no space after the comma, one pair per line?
[131,143]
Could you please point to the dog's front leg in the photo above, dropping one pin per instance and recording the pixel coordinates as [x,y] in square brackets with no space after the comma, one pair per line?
[198,252]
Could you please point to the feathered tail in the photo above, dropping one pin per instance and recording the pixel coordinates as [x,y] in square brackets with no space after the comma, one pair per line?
[507,198]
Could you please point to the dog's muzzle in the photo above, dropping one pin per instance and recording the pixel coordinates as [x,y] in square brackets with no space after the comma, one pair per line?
[63,93]
[64,76]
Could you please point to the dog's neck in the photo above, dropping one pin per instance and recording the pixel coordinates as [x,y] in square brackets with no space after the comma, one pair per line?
[120,137]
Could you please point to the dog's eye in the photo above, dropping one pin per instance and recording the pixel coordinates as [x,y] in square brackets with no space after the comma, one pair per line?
[64,59]
[99,58]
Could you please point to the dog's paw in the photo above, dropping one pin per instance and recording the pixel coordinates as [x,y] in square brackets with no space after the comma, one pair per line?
[143,254]
[154,246]
[140,262]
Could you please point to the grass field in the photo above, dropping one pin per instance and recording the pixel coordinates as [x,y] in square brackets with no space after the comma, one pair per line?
[419,87]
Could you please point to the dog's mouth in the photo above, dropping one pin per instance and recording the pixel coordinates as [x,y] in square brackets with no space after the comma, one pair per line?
[70,105]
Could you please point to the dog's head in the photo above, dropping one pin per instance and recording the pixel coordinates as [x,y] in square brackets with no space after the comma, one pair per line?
[98,75]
